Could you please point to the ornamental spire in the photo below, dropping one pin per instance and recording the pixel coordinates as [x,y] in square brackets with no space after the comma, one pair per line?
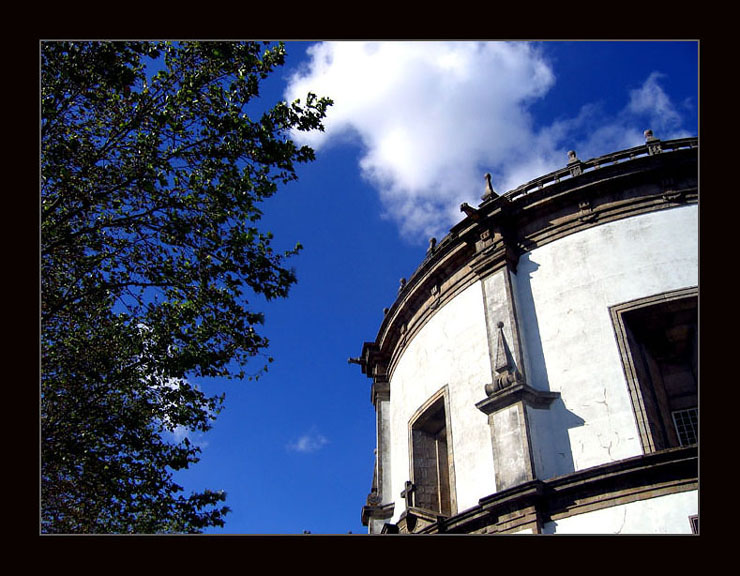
[490,192]
[504,366]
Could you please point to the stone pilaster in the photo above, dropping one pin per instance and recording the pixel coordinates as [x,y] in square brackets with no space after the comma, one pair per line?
[511,438]
[379,505]
[382,402]
[508,394]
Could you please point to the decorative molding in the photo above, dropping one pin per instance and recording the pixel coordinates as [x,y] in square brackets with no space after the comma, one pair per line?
[575,166]
[530,505]
[511,439]
[507,373]
[414,520]
[627,183]
[653,144]
[436,294]
[518,392]
[468,267]
[629,480]
[432,247]
[657,176]
[490,193]
[376,512]
[380,391]
[586,212]
[677,196]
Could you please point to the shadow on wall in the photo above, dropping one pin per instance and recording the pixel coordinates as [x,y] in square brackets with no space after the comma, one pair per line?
[552,448]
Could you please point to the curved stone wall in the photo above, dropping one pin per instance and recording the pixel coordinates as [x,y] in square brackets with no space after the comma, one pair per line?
[566,289]
[501,367]
[450,351]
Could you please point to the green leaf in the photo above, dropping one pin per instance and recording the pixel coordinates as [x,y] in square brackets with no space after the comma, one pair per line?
[148,270]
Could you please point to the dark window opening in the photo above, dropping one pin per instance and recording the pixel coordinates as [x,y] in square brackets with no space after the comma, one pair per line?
[430,456]
[662,341]
[686,425]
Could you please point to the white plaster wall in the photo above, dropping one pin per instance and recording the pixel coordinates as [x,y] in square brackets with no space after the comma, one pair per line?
[564,290]
[450,350]
[662,515]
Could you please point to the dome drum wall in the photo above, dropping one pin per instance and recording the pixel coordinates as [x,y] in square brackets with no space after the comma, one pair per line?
[571,337]
[502,229]
[449,357]
[514,320]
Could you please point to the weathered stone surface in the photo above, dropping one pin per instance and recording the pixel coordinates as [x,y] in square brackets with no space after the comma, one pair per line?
[509,317]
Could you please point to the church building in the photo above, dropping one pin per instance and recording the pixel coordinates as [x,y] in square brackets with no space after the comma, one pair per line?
[538,372]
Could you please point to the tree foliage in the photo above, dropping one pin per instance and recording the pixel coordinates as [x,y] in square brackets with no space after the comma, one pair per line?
[152,174]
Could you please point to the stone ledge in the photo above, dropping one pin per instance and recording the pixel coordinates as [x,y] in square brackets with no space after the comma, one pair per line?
[416,520]
[518,392]
[531,504]
[379,512]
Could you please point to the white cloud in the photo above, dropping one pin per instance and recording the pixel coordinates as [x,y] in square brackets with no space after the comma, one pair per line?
[648,106]
[650,100]
[433,117]
[309,442]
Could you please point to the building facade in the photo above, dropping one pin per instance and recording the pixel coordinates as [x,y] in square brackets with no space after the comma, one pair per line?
[538,373]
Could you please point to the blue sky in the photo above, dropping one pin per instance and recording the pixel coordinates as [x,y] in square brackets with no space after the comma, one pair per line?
[414,128]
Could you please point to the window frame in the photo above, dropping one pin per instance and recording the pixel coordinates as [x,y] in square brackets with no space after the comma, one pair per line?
[438,401]
[631,371]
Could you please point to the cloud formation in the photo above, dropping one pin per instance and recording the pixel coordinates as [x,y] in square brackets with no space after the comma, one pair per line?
[433,117]
[308,443]
[652,101]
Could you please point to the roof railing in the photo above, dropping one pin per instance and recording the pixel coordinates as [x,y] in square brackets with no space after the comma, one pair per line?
[576,167]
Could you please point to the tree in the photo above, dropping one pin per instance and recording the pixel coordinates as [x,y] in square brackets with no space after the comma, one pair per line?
[152,172]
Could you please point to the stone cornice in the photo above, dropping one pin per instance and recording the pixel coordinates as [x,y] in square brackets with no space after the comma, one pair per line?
[415,520]
[518,392]
[531,504]
[377,512]
[380,391]
[656,176]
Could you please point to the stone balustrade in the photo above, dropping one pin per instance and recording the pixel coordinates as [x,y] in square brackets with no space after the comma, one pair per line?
[576,167]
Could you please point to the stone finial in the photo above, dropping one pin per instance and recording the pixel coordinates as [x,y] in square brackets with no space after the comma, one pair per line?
[506,371]
[653,143]
[574,163]
[373,499]
[402,284]
[490,192]
[503,360]
[432,245]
